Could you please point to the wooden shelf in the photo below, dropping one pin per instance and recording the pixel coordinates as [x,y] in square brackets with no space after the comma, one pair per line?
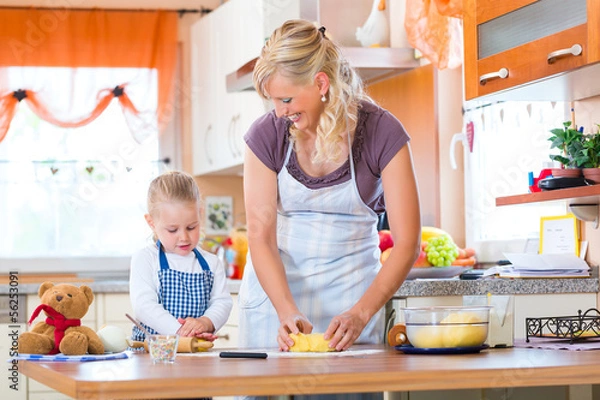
[577,195]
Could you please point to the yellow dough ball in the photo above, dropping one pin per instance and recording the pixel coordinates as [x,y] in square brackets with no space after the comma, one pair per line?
[464,335]
[427,337]
[312,342]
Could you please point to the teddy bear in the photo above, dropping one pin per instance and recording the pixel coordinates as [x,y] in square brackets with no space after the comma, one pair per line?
[61,332]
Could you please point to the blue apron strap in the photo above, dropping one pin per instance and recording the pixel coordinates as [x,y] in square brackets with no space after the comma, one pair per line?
[162,258]
[201,260]
[164,264]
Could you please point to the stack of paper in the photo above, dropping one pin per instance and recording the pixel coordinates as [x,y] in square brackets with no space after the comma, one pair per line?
[526,265]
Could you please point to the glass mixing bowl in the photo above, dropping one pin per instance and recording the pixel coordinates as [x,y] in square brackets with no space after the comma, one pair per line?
[446,326]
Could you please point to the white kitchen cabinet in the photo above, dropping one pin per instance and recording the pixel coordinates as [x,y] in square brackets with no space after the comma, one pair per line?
[229,333]
[203,79]
[220,119]
[111,310]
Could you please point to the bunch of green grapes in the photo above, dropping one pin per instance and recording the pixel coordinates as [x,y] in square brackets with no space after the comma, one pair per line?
[441,251]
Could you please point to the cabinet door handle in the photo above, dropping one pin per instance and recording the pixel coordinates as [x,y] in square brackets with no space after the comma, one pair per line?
[501,73]
[206,149]
[239,153]
[230,133]
[574,50]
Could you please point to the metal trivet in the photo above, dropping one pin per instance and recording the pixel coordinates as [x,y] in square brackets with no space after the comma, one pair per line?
[581,326]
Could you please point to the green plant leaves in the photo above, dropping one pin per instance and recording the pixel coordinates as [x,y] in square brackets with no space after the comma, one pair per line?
[578,150]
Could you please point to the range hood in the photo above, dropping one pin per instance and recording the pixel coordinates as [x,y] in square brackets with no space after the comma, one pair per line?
[372,64]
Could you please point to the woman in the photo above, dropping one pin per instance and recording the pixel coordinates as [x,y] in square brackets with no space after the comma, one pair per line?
[318,171]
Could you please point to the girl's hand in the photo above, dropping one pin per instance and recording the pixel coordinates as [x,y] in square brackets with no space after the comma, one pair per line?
[292,324]
[343,330]
[211,337]
[194,326]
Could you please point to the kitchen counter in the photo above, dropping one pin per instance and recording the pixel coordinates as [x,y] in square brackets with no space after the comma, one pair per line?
[415,288]
[456,287]
[378,369]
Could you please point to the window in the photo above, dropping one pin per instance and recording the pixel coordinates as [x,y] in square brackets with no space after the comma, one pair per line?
[510,140]
[76,193]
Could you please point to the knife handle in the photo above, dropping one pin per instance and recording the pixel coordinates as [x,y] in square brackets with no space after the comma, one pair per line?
[241,354]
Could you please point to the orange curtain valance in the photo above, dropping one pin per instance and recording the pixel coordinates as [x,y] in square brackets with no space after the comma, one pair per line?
[434,27]
[94,38]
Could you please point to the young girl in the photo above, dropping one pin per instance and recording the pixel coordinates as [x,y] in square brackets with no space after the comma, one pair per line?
[176,287]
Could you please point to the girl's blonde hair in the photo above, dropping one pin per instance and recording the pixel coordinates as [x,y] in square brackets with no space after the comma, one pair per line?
[298,51]
[173,186]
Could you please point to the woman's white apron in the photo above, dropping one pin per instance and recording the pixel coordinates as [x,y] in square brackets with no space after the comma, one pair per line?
[328,242]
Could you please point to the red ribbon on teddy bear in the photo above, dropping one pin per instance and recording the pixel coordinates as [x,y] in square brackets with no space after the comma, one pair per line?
[57,320]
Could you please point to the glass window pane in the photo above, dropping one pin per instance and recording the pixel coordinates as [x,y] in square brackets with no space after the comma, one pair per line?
[511,139]
[76,192]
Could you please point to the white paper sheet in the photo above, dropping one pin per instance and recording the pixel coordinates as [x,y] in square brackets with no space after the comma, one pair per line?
[546,261]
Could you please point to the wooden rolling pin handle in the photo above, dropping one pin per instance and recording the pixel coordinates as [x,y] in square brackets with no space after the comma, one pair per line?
[397,335]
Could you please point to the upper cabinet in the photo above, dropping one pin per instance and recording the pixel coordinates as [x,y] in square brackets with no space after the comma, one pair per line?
[220,42]
[531,50]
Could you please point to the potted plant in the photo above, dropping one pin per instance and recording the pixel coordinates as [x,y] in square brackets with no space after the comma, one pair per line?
[588,157]
[569,141]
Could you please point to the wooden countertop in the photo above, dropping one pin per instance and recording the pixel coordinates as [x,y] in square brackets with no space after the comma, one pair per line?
[386,370]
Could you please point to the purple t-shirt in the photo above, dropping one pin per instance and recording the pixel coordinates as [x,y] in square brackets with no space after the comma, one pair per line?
[379,136]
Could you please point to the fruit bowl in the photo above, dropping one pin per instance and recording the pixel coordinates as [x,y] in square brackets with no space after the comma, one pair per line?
[442,327]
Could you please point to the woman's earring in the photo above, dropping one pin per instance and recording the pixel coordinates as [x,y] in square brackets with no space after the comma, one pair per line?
[323,98]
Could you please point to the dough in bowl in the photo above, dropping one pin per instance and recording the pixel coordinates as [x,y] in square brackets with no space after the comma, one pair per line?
[455,330]
[311,342]
[473,334]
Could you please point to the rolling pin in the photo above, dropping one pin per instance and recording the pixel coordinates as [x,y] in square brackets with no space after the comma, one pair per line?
[397,335]
[185,345]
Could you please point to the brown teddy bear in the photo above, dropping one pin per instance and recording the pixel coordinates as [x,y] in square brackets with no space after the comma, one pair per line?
[64,306]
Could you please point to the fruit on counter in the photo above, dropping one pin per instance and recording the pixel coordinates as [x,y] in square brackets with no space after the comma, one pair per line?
[441,251]
[466,258]
[464,262]
[421,261]
[385,254]
[466,252]
[385,239]
[429,232]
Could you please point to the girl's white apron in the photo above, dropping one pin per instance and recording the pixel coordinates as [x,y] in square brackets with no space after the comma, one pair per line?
[328,242]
